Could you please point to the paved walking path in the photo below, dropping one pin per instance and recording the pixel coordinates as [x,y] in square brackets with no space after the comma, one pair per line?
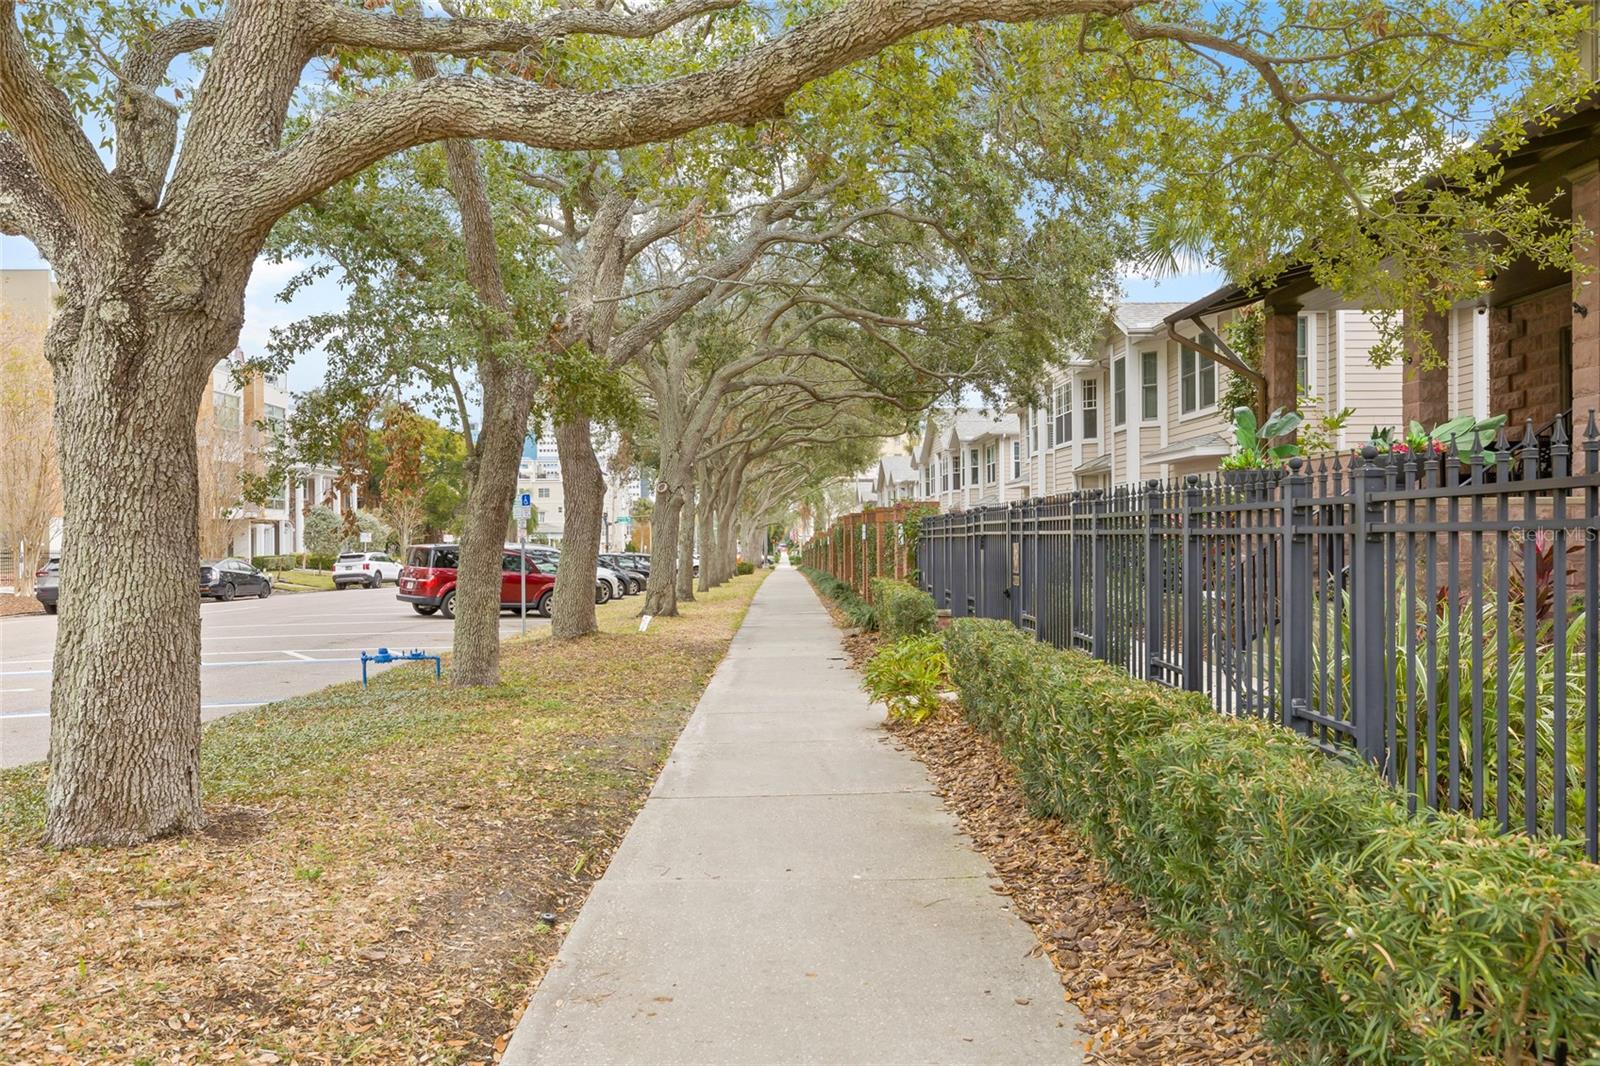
[793,892]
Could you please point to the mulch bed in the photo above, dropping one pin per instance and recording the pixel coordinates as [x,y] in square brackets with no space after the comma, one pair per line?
[12,605]
[385,875]
[1139,1003]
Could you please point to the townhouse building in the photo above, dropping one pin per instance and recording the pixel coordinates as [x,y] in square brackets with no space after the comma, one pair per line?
[1146,400]
[895,480]
[969,458]
[233,428]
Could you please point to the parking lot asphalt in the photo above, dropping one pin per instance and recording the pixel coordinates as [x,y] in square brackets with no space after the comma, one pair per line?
[252,652]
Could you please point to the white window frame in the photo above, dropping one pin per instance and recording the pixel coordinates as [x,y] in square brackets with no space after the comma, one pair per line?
[1150,386]
[1196,354]
[1089,400]
[1119,391]
[1016,460]
[1061,410]
[991,463]
[1305,337]
[944,474]
[974,467]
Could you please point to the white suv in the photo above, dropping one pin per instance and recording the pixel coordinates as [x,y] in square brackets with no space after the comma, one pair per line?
[364,568]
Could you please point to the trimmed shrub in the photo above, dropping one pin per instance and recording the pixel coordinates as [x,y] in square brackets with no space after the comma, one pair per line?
[274,562]
[319,562]
[744,567]
[903,610]
[908,675]
[1364,933]
[862,614]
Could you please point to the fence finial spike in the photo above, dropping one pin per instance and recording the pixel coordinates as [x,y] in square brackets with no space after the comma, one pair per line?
[1593,432]
[1528,441]
[1558,435]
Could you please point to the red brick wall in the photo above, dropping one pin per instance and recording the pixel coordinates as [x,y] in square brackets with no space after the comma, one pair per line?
[1525,356]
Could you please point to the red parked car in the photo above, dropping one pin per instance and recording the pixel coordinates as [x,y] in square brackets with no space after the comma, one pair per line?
[428,581]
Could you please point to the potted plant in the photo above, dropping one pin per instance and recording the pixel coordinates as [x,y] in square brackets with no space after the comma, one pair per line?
[1260,445]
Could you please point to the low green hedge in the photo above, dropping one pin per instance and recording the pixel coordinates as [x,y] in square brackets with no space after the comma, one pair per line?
[903,610]
[859,611]
[744,567]
[275,562]
[1363,933]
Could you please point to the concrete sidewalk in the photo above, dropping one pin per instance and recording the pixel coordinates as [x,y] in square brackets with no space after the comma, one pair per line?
[793,892]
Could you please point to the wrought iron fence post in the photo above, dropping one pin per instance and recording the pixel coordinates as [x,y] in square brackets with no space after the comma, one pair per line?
[1153,578]
[1192,559]
[1298,590]
[1368,705]
[1099,623]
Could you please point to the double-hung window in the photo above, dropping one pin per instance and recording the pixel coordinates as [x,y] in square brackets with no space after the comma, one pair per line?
[1091,408]
[1016,460]
[1197,381]
[1119,391]
[944,475]
[991,463]
[927,481]
[1063,412]
[1149,386]
[1302,351]
[972,460]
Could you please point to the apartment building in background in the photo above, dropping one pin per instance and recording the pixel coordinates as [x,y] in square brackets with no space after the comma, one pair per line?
[233,432]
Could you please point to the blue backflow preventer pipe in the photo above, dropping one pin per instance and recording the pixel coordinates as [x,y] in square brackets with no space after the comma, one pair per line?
[386,656]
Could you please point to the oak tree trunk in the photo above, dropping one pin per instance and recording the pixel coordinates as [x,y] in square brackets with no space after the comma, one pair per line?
[706,535]
[727,520]
[507,399]
[686,545]
[132,355]
[584,486]
[661,589]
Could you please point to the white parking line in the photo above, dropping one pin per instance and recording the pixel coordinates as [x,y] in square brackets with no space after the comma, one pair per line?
[297,655]
[203,707]
[252,662]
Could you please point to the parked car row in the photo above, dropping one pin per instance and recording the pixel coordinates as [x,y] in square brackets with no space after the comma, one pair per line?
[427,580]
[527,576]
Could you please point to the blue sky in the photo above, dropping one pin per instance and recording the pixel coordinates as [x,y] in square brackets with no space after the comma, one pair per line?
[263,310]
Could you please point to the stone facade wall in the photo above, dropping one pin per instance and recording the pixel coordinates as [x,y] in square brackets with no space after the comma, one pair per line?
[1525,357]
[1425,390]
[1586,327]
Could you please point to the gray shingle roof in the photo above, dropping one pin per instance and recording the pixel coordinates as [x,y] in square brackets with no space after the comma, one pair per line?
[1145,316]
[970,425]
[898,468]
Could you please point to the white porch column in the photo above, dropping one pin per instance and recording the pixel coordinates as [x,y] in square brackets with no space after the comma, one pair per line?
[297,513]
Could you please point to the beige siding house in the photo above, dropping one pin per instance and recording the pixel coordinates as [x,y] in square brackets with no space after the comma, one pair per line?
[1146,400]
[969,458]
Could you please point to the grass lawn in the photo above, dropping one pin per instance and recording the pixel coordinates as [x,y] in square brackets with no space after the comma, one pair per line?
[302,580]
[386,872]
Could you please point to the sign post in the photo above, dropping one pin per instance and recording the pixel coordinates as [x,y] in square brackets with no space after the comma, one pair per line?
[523,510]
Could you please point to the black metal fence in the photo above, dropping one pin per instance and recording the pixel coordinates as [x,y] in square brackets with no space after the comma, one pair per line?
[1431,613]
